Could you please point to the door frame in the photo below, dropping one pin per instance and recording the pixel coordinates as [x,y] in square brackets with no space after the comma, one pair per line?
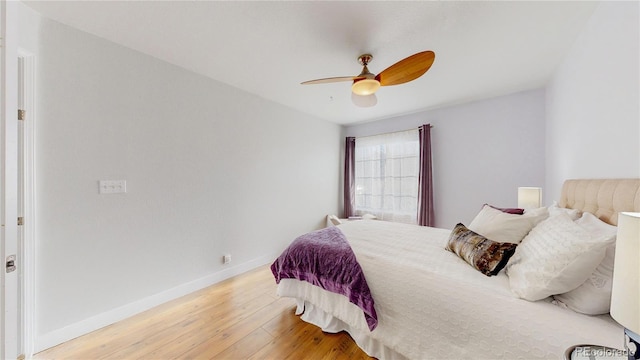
[11,332]
[26,200]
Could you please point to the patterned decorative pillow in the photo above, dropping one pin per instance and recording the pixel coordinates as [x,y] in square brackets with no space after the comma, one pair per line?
[486,256]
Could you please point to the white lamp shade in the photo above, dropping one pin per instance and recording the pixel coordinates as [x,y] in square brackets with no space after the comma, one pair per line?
[364,101]
[625,296]
[529,197]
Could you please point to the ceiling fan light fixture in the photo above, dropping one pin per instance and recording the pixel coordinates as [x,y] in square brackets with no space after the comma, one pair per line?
[366,84]
[365,87]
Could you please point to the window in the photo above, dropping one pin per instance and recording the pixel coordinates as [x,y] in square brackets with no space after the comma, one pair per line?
[386,176]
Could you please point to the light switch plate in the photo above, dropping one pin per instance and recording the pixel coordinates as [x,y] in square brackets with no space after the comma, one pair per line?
[112,186]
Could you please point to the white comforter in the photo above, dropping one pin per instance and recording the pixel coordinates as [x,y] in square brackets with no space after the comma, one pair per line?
[433,305]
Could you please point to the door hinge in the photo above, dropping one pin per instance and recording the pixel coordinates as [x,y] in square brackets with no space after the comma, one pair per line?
[20,220]
[22,114]
[10,264]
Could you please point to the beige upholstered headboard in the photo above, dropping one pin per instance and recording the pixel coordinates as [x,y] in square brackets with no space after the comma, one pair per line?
[604,198]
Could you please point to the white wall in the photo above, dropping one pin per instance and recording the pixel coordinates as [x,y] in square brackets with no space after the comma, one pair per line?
[593,105]
[210,170]
[482,151]
[29,21]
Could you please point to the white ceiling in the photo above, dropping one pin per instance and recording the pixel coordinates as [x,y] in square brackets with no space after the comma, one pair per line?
[483,48]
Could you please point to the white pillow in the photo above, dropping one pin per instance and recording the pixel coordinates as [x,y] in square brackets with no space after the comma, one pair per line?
[557,256]
[595,226]
[593,297]
[554,209]
[502,227]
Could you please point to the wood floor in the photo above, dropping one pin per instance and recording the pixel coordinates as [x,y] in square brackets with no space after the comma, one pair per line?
[240,318]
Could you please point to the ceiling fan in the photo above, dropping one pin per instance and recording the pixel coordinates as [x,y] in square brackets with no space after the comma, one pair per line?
[366,84]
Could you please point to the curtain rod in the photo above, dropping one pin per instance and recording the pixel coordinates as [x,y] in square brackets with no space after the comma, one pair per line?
[391,132]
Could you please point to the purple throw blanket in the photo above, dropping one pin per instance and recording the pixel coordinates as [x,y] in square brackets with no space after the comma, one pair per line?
[325,259]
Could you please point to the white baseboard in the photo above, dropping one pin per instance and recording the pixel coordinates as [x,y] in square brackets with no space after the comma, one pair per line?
[93,323]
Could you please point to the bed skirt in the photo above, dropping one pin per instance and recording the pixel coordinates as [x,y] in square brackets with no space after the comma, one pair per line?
[330,324]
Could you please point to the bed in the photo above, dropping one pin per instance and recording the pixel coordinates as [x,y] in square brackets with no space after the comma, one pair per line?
[431,304]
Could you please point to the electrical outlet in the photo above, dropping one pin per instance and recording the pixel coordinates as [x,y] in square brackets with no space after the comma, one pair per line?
[226,258]
[112,186]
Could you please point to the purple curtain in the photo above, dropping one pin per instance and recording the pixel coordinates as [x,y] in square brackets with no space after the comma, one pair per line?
[425,181]
[349,176]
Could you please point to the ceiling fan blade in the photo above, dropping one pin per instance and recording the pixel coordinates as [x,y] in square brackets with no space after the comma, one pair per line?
[330,80]
[407,69]
[364,101]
